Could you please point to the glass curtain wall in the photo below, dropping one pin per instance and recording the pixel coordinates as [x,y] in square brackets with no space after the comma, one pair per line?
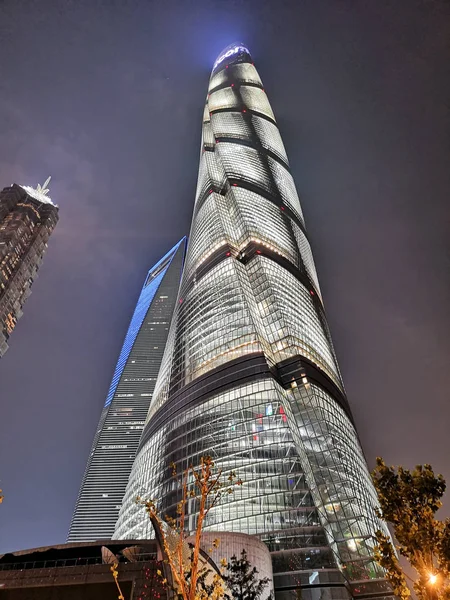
[123,416]
[249,375]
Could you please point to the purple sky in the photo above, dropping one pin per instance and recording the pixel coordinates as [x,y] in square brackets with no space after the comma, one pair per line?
[107,96]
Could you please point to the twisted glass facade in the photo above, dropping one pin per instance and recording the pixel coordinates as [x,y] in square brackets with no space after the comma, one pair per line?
[249,375]
[123,416]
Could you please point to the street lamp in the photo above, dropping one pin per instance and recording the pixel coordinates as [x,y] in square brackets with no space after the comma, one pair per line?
[432,580]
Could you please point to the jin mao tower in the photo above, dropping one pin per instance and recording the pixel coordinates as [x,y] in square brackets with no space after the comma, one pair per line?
[249,375]
[27,219]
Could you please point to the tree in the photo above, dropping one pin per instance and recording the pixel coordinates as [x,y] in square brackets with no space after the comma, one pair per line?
[115,573]
[192,577]
[242,580]
[409,501]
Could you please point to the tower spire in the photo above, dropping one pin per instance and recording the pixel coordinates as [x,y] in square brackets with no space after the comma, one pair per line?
[43,189]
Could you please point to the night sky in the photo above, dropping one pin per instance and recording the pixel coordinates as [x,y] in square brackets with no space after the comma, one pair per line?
[107,97]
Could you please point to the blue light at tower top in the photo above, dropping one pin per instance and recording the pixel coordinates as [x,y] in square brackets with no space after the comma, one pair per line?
[230,51]
[149,289]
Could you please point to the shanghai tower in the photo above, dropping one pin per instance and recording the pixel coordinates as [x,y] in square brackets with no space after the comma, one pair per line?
[249,375]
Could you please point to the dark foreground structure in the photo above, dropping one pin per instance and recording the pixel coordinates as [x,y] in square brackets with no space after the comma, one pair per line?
[83,570]
[250,376]
[78,572]
[27,219]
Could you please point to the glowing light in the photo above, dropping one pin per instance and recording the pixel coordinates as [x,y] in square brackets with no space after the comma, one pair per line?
[154,278]
[211,251]
[332,507]
[432,578]
[229,53]
[40,192]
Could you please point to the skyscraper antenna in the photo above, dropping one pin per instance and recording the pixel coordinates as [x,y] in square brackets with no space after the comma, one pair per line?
[44,189]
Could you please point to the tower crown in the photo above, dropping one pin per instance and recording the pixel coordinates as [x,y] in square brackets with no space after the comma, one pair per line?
[231,52]
[40,192]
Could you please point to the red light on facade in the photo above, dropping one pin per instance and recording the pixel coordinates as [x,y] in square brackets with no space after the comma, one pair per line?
[258,252]
[181,300]
[282,207]
[243,110]
[226,67]
[228,254]
[235,184]
[311,292]
[232,85]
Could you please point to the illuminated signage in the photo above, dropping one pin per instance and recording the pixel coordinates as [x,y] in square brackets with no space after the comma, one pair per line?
[229,53]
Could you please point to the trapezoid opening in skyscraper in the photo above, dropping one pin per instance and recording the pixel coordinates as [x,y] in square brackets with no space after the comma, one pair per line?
[249,375]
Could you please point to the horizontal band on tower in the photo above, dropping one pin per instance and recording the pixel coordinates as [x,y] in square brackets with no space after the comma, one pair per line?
[237,109]
[235,373]
[256,189]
